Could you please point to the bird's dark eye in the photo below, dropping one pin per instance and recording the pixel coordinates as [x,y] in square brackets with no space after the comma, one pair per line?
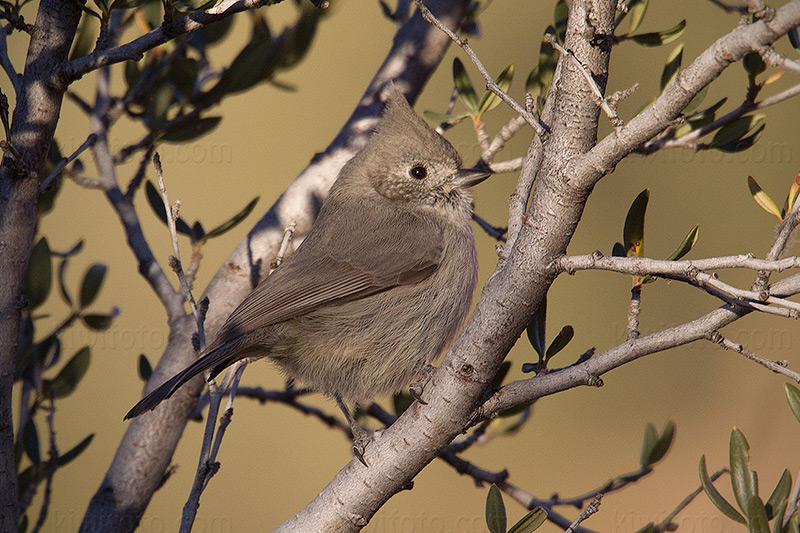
[418,172]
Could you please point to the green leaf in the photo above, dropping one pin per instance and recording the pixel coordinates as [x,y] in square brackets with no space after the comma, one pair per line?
[780,494]
[92,281]
[753,65]
[30,440]
[191,130]
[501,374]
[794,523]
[560,342]
[255,62]
[735,130]
[762,198]
[636,11]
[157,205]
[401,401]
[686,244]
[695,102]
[530,522]
[495,511]
[650,439]
[660,37]
[296,39]
[86,36]
[233,221]
[793,397]
[716,498]
[463,85]
[70,375]
[673,65]
[70,455]
[633,232]
[100,322]
[441,117]
[777,524]
[757,515]
[742,144]
[489,100]
[560,14]
[156,114]
[662,444]
[144,367]
[40,273]
[791,197]
[743,480]
[214,32]
[536,330]
[48,351]
[618,250]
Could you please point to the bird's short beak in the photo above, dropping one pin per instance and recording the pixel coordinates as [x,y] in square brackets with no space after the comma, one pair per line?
[467,177]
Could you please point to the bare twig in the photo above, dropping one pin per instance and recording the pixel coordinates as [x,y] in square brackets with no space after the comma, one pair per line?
[779,367]
[641,266]
[518,201]
[90,140]
[634,309]
[729,7]
[5,62]
[491,85]
[666,524]
[52,465]
[775,59]
[496,233]
[596,92]
[592,508]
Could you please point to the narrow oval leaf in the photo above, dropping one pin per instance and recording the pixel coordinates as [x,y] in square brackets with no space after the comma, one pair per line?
[618,250]
[686,244]
[233,221]
[695,102]
[736,130]
[793,397]
[744,143]
[30,440]
[495,511]
[762,198]
[464,86]
[560,342]
[156,114]
[536,329]
[742,479]
[780,494]
[40,273]
[441,117]
[777,524]
[191,130]
[757,515]
[650,438]
[791,198]
[92,281]
[794,39]
[660,37]
[144,367]
[674,60]
[716,498]
[530,522]
[489,100]
[70,455]
[636,11]
[633,232]
[662,444]
[68,378]
[502,372]
[773,78]
[99,322]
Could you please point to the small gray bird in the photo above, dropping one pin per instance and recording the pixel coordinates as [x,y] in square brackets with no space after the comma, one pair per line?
[379,287]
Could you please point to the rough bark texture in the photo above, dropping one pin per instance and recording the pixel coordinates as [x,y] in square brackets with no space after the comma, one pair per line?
[147,447]
[34,123]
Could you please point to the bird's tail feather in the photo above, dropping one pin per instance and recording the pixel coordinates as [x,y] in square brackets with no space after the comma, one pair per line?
[217,360]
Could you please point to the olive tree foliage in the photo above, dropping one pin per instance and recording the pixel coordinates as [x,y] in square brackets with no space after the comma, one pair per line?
[171,89]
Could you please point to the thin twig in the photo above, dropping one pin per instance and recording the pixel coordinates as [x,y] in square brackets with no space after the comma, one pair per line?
[596,92]
[491,85]
[518,201]
[494,232]
[779,367]
[52,465]
[728,7]
[90,140]
[8,67]
[666,524]
[592,508]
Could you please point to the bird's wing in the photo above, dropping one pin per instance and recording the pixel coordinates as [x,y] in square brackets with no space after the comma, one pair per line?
[359,262]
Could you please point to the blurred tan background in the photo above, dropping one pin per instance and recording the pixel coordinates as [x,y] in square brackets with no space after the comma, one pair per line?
[275,460]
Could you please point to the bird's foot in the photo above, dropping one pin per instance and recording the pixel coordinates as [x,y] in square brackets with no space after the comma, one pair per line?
[361,437]
[418,387]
